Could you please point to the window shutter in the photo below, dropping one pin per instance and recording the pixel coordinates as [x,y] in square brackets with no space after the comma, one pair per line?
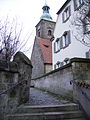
[81,2]
[57,44]
[61,64]
[63,17]
[84,28]
[54,47]
[75,5]
[84,23]
[69,38]
[61,43]
[69,8]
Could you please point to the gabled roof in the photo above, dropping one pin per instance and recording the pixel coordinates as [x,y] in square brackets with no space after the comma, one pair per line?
[46,48]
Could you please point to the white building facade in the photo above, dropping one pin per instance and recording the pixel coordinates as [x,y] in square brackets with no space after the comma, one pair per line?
[65,44]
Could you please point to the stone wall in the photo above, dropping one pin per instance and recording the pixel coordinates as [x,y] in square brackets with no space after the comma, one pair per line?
[25,70]
[81,91]
[8,77]
[37,61]
[17,74]
[83,97]
[59,80]
[81,71]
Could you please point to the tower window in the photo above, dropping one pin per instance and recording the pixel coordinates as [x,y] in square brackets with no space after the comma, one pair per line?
[49,32]
[39,34]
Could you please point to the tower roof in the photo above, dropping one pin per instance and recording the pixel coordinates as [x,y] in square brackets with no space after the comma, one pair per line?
[46,48]
[46,15]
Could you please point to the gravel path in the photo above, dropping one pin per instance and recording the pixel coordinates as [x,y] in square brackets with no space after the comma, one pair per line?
[38,97]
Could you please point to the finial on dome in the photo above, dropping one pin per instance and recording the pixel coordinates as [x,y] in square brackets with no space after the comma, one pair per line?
[46,14]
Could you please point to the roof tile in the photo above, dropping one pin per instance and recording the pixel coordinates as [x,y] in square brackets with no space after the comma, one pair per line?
[46,48]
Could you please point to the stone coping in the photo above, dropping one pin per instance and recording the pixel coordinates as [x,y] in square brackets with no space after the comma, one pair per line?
[53,71]
[72,60]
[19,56]
[8,66]
[84,60]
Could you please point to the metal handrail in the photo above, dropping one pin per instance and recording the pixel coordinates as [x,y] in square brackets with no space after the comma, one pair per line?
[74,82]
[14,86]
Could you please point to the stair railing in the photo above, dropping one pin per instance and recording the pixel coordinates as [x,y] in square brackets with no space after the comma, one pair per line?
[84,85]
[79,86]
[14,86]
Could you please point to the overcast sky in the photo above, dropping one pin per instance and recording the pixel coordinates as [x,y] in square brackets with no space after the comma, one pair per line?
[28,12]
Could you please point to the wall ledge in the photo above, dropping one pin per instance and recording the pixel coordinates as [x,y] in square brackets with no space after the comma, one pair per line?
[72,60]
[85,60]
[53,71]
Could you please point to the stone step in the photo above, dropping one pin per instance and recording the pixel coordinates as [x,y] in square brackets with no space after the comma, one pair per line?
[48,112]
[46,116]
[47,108]
[76,119]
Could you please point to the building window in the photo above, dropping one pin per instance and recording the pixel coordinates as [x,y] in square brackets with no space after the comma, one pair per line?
[38,33]
[54,66]
[49,33]
[88,54]
[66,14]
[62,42]
[66,39]
[57,45]
[58,65]
[67,60]
[78,4]
[86,26]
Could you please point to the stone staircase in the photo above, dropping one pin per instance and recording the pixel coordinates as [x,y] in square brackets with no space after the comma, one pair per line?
[49,112]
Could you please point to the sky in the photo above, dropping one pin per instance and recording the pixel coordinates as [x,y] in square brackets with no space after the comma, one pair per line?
[28,12]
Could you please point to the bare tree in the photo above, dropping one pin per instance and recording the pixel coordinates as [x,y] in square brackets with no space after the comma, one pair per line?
[11,39]
[81,23]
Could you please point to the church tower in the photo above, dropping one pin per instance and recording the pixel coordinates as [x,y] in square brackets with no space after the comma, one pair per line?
[45,27]
[41,57]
